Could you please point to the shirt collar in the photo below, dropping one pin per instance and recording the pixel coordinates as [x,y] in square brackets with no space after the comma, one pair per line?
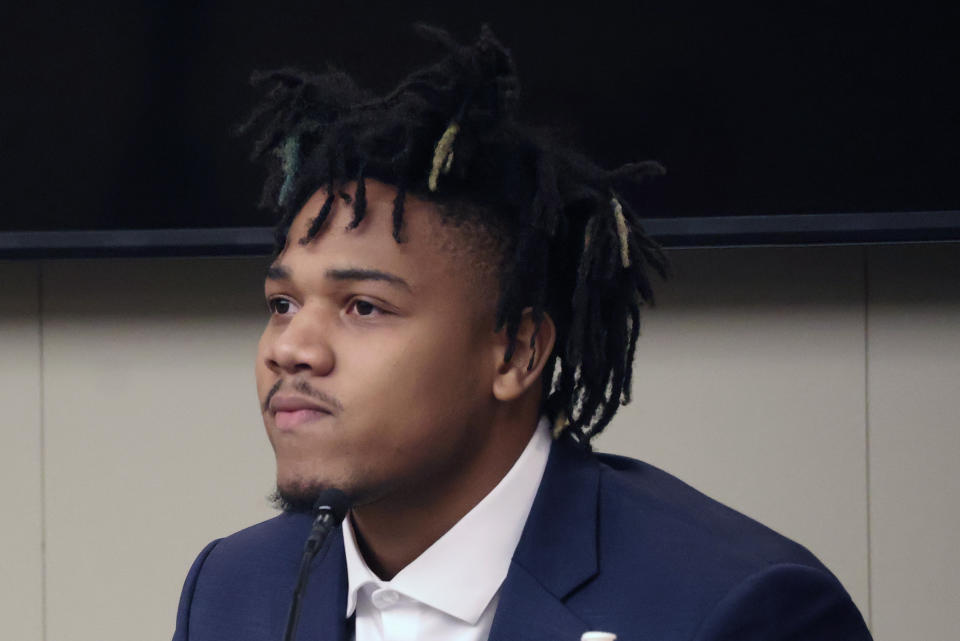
[443,576]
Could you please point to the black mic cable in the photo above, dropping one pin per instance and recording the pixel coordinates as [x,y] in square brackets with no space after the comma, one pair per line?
[330,508]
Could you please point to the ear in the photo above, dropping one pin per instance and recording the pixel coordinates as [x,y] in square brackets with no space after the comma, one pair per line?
[531,353]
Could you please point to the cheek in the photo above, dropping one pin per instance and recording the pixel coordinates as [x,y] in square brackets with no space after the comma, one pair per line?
[433,375]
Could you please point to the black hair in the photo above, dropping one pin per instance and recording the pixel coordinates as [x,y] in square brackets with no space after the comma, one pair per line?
[449,133]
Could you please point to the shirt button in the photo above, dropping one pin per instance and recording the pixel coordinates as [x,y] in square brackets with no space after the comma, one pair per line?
[384,598]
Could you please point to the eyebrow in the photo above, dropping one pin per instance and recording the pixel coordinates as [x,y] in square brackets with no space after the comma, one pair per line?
[281,272]
[278,272]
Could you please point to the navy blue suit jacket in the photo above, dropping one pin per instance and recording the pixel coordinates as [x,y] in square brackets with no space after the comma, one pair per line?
[611,544]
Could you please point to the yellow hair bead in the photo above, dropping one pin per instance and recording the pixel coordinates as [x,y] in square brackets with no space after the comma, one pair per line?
[443,154]
[560,423]
[622,231]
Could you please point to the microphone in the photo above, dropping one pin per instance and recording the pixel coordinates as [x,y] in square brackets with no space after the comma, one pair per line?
[329,509]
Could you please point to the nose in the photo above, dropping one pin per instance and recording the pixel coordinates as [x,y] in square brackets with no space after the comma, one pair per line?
[301,346]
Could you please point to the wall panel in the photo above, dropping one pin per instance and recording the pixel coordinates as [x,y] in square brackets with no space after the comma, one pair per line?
[749,385]
[154,444]
[21,465]
[914,418]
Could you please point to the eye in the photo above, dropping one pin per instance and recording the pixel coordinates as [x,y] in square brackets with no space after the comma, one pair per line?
[280,305]
[364,308]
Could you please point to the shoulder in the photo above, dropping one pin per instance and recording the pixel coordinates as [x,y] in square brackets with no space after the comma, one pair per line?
[676,562]
[279,539]
[784,601]
[240,581]
[652,505]
[268,549]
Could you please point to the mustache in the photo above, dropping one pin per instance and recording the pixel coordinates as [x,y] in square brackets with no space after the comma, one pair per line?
[301,386]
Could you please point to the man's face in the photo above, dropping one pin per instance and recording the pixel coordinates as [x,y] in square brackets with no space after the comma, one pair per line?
[377,362]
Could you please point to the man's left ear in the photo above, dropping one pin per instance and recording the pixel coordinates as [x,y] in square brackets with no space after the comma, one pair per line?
[531,352]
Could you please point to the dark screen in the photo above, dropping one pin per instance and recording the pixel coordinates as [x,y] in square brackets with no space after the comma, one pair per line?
[119,114]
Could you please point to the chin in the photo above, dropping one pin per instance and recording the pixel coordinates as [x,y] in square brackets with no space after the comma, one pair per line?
[299,485]
[296,497]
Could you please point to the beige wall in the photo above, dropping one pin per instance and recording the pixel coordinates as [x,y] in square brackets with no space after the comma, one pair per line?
[152,433]
[21,460]
[815,389]
[914,418]
[750,386]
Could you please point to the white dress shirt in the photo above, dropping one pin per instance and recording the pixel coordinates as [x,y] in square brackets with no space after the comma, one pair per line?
[450,592]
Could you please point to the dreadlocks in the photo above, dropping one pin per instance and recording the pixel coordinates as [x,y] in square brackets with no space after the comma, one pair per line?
[448,133]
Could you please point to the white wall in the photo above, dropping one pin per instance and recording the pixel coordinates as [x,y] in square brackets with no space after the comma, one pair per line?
[815,389]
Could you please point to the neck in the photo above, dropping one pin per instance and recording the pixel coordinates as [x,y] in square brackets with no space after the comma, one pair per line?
[395,530]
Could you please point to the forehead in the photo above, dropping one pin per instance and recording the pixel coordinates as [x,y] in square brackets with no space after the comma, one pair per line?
[434,253]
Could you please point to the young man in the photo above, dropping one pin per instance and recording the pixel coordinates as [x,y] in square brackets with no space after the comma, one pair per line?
[454,306]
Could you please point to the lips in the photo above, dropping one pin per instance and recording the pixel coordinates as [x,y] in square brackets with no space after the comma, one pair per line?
[292,411]
[289,419]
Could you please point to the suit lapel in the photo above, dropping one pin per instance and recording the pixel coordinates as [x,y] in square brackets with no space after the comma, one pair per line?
[557,553]
[528,611]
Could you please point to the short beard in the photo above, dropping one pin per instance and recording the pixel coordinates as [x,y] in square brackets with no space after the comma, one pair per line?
[298,499]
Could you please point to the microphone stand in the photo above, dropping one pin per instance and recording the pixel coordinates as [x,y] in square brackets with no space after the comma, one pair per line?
[330,509]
